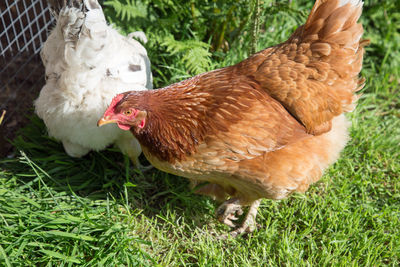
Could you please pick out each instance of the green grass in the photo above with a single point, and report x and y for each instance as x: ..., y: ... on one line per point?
x: 59, y: 211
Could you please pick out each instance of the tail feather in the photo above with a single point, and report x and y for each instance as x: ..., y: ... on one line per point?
x: 335, y: 22
x: 339, y: 44
x: 315, y: 73
x: 57, y: 5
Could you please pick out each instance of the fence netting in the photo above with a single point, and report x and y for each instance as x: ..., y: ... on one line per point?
x: 24, y: 27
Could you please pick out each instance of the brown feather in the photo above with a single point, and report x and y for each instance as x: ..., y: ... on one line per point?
x: 183, y: 115
x: 330, y: 40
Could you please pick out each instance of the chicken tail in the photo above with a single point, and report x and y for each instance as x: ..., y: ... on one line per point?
x: 57, y: 5
x: 335, y: 39
x: 314, y: 74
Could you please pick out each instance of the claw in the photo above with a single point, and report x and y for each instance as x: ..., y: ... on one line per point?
x: 239, y: 212
x: 229, y: 223
x: 233, y: 218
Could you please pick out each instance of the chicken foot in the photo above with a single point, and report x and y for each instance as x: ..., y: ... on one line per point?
x: 227, y: 211
x: 249, y: 224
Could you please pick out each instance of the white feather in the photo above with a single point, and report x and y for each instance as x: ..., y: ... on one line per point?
x: 87, y: 63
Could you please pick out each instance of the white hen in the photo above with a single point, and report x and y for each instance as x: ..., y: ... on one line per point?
x: 87, y: 63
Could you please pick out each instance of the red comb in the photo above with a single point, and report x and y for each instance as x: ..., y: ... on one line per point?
x: 111, y: 108
x: 116, y: 100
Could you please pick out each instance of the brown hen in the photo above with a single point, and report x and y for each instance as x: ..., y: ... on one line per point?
x: 263, y: 128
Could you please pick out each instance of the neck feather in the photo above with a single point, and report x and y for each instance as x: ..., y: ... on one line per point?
x: 175, y: 122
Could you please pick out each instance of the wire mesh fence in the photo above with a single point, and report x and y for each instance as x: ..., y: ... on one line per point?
x: 24, y: 26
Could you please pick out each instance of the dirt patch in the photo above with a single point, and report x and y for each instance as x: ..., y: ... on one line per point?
x: 23, y: 79
x: 23, y: 28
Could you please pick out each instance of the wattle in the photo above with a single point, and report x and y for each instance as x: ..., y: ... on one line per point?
x: 124, y: 127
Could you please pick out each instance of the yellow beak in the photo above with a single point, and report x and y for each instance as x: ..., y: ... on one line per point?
x: 104, y: 121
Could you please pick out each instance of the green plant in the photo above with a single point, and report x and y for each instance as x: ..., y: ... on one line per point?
x: 190, y: 37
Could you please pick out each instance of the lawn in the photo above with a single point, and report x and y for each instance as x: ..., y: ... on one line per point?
x: 97, y: 210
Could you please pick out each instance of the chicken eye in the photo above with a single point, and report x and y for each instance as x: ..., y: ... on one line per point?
x: 128, y: 112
